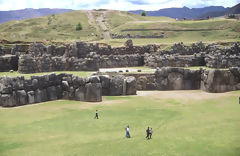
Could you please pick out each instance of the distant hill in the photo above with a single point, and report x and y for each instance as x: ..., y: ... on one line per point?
x: 6, y: 16
x: 184, y: 12
x: 233, y: 10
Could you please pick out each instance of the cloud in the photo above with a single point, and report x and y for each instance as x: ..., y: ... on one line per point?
x: 112, y: 4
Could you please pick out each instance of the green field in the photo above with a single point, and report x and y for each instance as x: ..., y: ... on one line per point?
x: 76, y: 73
x: 185, y: 123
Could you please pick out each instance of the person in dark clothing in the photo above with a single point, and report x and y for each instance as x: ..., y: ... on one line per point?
x: 147, y: 133
x: 150, y: 133
x: 96, y: 115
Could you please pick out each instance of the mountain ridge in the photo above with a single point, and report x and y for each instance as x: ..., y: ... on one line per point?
x: 6, y: 16
x: 183, y: 12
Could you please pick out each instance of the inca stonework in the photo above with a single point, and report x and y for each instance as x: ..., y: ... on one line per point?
x: 37, y: 57
x: 19, y: 91
x: 81, y: 56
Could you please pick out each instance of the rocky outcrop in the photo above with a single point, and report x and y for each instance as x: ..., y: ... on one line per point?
x: 19, y: 91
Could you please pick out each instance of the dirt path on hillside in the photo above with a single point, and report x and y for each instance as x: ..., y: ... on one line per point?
x: 100, y: 20
x: 92, y: 21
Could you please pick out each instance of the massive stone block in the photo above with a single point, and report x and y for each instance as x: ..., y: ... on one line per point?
x: 217, y: 81
x: 116, y: 85
x: 131, y: 85
x: 80, y: 94
x: 31, y: 97
x: 52, y: 93
x: 105, y: 82
x: 93, y: 92
x: 8, y: 100
x: 22, y: 97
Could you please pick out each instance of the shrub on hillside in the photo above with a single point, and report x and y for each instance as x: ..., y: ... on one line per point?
x: 143, y: 13
x: 79, y: 26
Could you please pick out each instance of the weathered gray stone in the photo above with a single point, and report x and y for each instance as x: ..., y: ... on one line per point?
x: 22, y: 97
x: 116, y: 85
x: 65, y: 95
x: 65, y: 85
x: 80, y: 94
x: 129, y: 44
x: 38, y: 96
x: 8, y: 100
x: 52, y: 93
x: 105, y: 82
x: 131, y: 85
x: 93, y: 92
x: 31, y: 97
x: 59, y: 91
x: 44, y: 96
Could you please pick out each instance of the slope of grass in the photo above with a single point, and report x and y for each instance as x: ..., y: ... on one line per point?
x: 214, y: 30
x: 180, y: 127
x: 60, y: 27
x: 117, y: 18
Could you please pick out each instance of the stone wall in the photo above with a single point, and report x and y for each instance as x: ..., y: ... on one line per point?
x: 198, y: 54
x: 224, y: 58
x: 8, y: 62
x: 19, y: 91
x: 167, y: 78
x: 119, y: 36
x: 175, y: 60
x: 80, y: 57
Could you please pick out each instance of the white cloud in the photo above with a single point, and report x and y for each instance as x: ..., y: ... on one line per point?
x: 111, y: 4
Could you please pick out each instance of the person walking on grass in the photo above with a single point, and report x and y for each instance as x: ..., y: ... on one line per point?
x: 96, y: 115
x: 148, y: 131
x: 127, y: 132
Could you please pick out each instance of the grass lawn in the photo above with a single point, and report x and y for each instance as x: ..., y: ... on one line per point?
x: 15, y: 73
x: 202, y: 124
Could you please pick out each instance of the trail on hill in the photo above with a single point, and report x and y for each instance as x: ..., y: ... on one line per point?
x: 91, y: 20
x: 100, y: 21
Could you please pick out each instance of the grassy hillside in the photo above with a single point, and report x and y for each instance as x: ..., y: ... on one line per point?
x: 214, y: 30
x: 60, y: 27
x: 97, y: 24
x: 201, y: 124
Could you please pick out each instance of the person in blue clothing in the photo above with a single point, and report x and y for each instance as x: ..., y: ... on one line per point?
x: 127, y: 132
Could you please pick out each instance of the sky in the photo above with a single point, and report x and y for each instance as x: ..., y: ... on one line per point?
x: 112, y: 4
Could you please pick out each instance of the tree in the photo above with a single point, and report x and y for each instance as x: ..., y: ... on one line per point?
x: 144, y: 13
x: 79, y: 26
